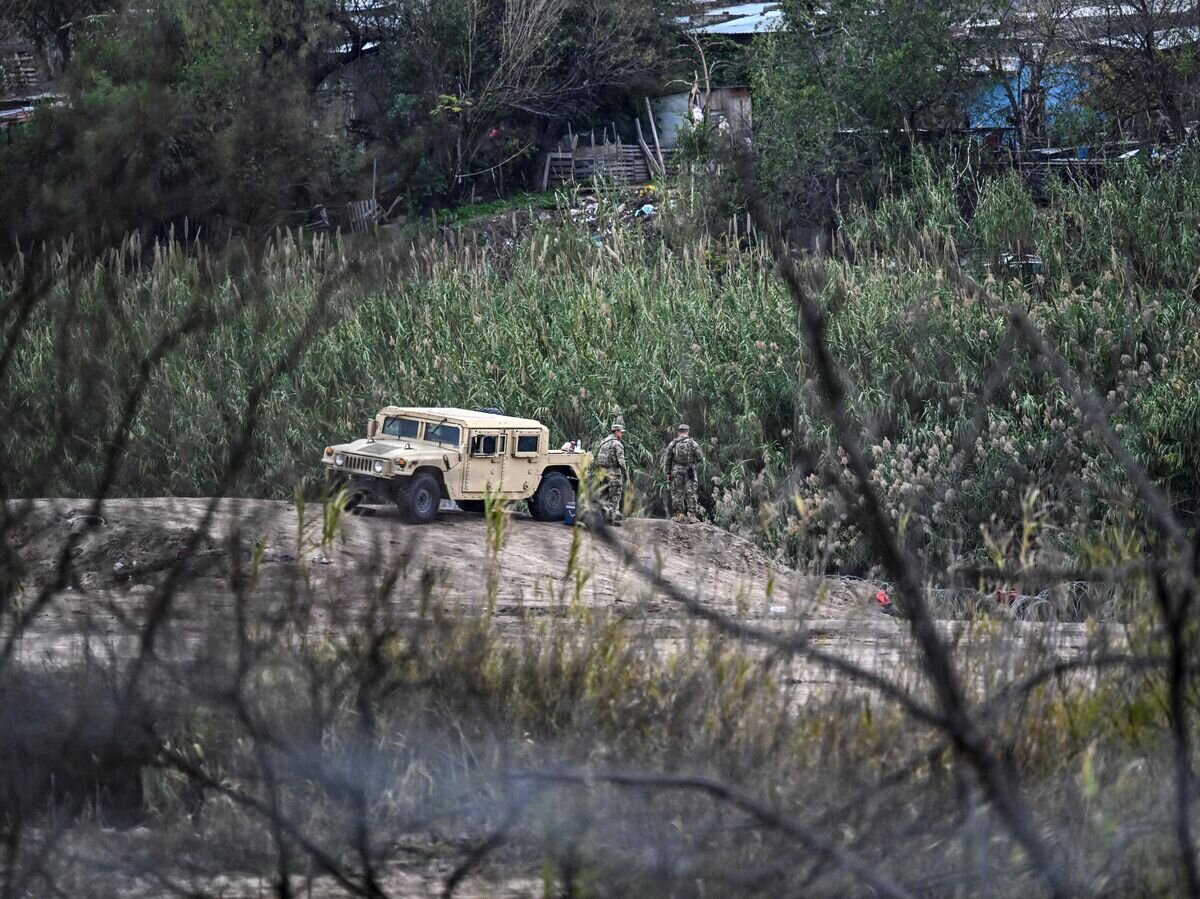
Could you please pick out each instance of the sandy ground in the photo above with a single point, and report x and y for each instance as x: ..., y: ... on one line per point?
x: 542, y: 570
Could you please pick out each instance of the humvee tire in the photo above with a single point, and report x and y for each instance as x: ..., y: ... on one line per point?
x: 550, y: 501
x: 419, y: 499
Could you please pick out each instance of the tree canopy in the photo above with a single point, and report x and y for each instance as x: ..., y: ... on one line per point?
x: 244, y: 114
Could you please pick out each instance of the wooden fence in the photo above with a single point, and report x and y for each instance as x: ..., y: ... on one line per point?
x: 623, y: 163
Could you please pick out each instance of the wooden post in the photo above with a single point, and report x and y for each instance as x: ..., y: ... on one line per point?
x: 654, y: 131
x: 651, y: 163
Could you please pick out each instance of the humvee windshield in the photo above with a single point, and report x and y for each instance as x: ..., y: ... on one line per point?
x: 401, y: 427
x: 442, y: 433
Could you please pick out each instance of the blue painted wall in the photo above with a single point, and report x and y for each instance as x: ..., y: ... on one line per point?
x: 989, y: 107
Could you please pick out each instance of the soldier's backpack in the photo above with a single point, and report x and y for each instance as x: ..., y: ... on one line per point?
x: 605, y: 454
x: 685, y: 451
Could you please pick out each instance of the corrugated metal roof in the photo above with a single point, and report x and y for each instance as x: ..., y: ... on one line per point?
x: 771, y: 20
x: 741, y: 9
x: 734, y: 18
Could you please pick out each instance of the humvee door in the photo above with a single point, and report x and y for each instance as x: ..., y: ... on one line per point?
x: 485, y: 462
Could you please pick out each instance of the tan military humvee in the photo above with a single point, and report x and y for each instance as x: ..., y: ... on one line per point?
x: 416, y: 457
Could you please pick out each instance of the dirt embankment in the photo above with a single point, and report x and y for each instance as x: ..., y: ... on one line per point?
x: 118, y: 562
x: 272, y: 558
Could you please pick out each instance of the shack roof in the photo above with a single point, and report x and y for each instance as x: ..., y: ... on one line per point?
x: 734, y: 18
x: 771, y: 20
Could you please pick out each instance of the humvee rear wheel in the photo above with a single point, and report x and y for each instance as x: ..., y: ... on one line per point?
x: 550, y: 501
x: 419, y: 499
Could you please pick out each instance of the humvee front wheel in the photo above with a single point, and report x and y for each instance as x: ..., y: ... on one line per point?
x: 419, y: 499
x: 550, y: 501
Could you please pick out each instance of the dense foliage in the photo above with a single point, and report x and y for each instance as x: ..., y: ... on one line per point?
x: 241, y: 116
x: 566, y: 331
x: 846, y: 84
x: 171, y: 116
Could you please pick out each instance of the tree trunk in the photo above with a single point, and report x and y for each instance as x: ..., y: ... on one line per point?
x: 62, y: 42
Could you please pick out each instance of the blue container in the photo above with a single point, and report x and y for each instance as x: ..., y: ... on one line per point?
x: 569, y: 515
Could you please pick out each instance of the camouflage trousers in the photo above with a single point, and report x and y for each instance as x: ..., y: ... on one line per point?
x: 611, y: 494
x: 684, y: 500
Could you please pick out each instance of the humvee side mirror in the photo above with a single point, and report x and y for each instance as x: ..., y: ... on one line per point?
x: 372, y: 427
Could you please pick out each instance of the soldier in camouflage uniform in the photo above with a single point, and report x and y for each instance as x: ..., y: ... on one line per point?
x: 610, y: 459
x: 683, y: 457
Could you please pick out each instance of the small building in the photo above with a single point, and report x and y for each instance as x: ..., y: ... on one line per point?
x: 730, y: 104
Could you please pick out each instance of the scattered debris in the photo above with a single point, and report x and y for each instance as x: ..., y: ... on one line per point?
x: 82, y: 522
x: 123, y: 570
x: 85, y: 518
x: 364, y: 214
x: 1007, y: 597
x: 1026, y: 264
x: 319, y: 558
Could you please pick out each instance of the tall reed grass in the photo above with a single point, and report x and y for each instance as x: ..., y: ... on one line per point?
x: 576, y: 323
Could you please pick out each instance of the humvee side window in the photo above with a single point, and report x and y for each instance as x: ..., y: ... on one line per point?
x: 401, y: 427
x: 527, y: 444
x: 487, y: 445
x: 442, y: 433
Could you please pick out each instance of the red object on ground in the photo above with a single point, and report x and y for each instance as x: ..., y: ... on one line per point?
x: 1007, y: 596
x: 885, y: 602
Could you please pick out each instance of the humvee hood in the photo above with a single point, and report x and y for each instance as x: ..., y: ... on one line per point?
x: 390, y: 449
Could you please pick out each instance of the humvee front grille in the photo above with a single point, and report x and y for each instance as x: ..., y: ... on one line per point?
x: 358, y: 463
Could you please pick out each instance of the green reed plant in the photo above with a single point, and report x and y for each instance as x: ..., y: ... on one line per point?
x: 573, y: 322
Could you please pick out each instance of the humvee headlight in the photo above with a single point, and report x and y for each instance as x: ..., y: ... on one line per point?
x: 339, y: 460
x: 378, y: 466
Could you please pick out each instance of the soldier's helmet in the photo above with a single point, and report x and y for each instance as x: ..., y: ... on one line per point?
x: 683, y: 429
x: 618, y: 425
